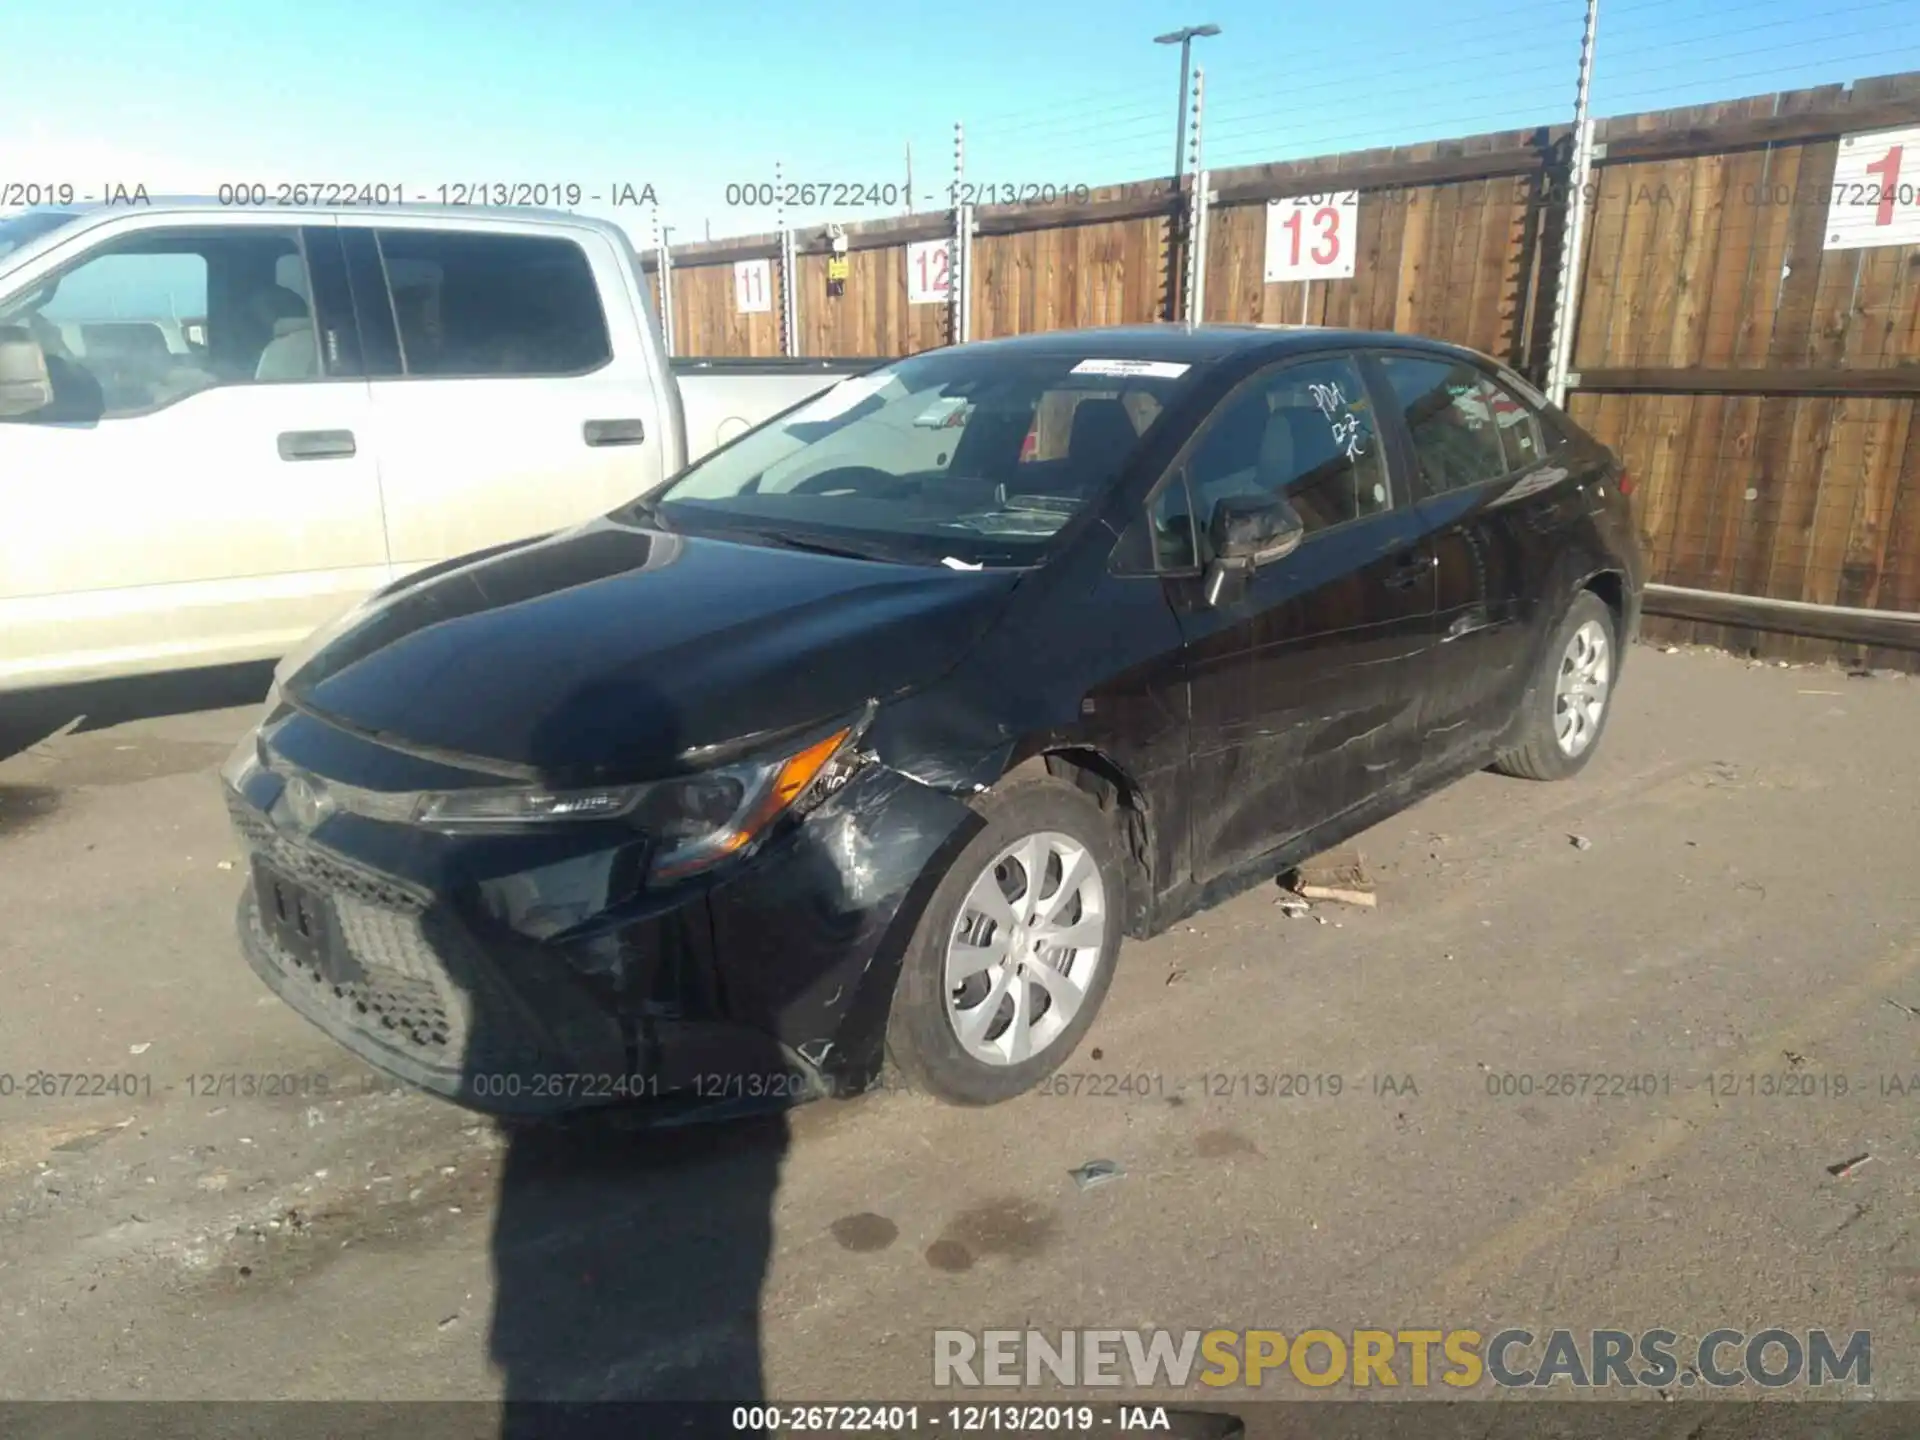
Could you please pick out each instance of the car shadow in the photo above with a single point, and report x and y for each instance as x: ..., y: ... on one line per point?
x: 628, y: 1264
x: 28, y: 717
x: 629, y: 1258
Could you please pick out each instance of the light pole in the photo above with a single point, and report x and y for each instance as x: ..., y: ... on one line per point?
x: 1184, y: 38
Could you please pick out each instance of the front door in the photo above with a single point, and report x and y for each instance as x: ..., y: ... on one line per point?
x: 202, y: 489
x: 1304, y: 690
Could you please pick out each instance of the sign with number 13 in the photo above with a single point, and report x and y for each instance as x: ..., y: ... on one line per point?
x: 1312, y: 237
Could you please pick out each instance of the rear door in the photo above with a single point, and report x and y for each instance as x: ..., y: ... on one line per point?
x: 1496, y: 508
x: 513, y: 390
x: 202, y: 489
x: 1304, y: 692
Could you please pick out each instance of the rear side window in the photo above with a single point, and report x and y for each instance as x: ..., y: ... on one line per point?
x: 1465, y: 428
x: 470, y: 304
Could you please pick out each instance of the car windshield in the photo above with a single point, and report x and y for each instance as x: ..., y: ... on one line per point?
x: 964, y: 458
x: 17, y: 230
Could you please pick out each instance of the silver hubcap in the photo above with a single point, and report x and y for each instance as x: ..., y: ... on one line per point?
x: 1580, y: 692
x: 1025, y: 948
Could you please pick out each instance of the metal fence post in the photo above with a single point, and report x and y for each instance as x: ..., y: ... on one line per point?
x: 663, y: 268
x: 963, y: 275
x: 1193, y: 298
x: 957, y: 316
x: 1566, y: 299
x: 1197, y: 262
x: 789, y: 296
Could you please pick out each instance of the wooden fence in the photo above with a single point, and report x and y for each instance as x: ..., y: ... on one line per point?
x: 1760, y: 387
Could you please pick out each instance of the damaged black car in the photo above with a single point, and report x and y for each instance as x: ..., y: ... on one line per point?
x: 865, y: 740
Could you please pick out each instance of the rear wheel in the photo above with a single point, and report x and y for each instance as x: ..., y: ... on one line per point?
x: 1014, y: 954
x: 1567, y: 704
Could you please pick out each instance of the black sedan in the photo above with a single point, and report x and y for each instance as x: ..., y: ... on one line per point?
x: 864, y: 740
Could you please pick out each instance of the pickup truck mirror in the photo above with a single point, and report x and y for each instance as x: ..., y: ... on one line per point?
x: 1247, y: 532
x: 24, y: 384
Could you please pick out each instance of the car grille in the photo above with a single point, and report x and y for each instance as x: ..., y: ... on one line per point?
x: 325, y: 872
x: 397, y: 989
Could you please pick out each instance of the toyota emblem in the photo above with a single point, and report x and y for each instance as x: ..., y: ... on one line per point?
x: 307, y: 802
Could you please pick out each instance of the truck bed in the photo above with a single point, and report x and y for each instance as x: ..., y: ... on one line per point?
x: 722, y: 396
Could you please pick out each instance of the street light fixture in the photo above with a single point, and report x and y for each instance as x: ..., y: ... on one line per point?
x: 1184, y: 38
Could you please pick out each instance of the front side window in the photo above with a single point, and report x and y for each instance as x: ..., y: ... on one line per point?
x: 472, y: 305
x: 971, y: 458
x: 146, y: 322
x: 1465, y: 429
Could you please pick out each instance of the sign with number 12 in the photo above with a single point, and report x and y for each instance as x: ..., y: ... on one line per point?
x: 927, y: 272
x: 1312, y: 237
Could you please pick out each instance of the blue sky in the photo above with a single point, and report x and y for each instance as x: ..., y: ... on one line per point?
x: 692, y: 96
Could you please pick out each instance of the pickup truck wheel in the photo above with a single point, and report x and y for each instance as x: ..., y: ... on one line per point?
x: 1015, y: 951
x: 1567, y: 704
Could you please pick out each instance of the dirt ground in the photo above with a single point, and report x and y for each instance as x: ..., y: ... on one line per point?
x: 1740, y: 906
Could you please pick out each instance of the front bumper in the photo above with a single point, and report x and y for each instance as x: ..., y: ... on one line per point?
x: 531, y: 975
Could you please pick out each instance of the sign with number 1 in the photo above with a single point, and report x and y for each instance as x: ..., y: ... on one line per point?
x: 1876, y: 191
x: 1312, y: 237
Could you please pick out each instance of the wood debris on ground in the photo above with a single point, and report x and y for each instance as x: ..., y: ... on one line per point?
x: 1338, y: 875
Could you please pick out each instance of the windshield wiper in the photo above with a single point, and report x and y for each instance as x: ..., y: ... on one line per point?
x: 646, y: 512
x: 787, y: 541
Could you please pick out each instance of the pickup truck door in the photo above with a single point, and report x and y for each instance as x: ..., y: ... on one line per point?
x: 514, y: 382
x: 202, y: 490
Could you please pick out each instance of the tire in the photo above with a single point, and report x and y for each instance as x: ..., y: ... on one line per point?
x: 1040, y: 817
x: 1537, y: 749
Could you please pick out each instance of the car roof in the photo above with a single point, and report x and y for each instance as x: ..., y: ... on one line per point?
x: 1201, y: 344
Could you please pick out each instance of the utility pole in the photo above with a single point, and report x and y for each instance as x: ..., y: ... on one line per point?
x: 1184, y: 38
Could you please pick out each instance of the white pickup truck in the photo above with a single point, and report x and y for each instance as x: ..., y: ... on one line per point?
x: 220, y: 427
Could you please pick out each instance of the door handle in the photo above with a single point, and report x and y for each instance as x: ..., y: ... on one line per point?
x: 614, y: 432
x: 1411, y: 569
x: 316, y: 444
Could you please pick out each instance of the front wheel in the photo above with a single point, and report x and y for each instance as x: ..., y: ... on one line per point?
x: 1014, y: 954
x: 1568, y: 701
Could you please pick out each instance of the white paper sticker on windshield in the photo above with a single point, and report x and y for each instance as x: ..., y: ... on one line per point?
x: 1152, y: 369
x: 838, y: 399
x: 950, y: 410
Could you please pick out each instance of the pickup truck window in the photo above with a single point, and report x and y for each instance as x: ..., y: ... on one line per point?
x: 143, y: 323
x: 470, y: 304
x: 933, y: 458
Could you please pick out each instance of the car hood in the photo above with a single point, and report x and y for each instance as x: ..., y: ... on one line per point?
x: 610, y: 650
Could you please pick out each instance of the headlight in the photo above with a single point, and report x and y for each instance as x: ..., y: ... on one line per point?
x: 695, y: 821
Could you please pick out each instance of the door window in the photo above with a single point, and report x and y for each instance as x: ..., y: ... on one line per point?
x: 145, y: 322
x: 1465, y: 429
x: 470, y: 304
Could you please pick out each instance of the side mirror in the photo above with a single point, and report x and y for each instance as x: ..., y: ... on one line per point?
x: 24, y: 384
x: 1247, y: 532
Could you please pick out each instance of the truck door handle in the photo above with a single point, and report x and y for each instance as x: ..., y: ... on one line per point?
x: 614, y: 432
x: 316, y: 444
x: 1411, y: 569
